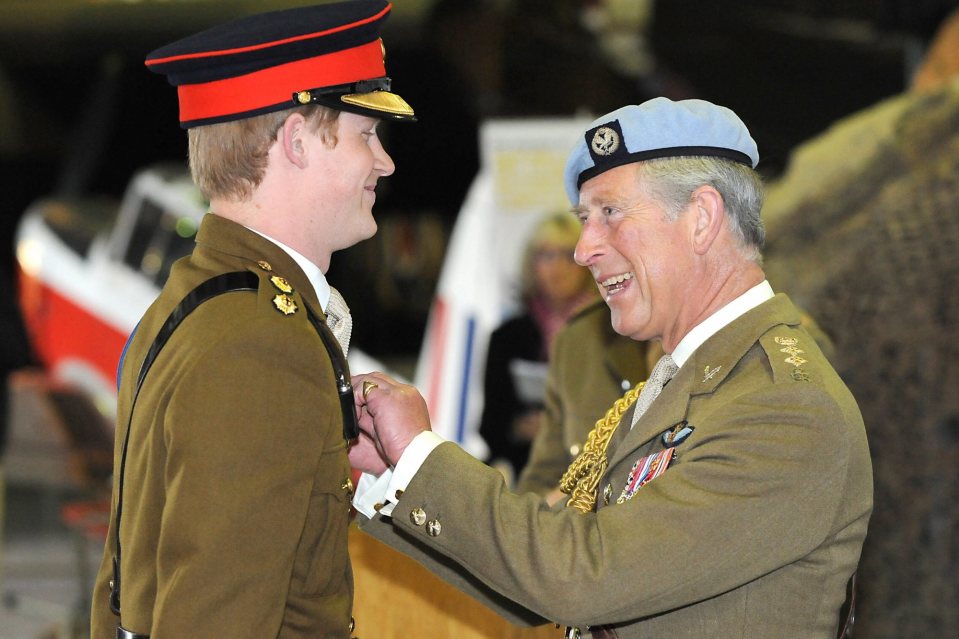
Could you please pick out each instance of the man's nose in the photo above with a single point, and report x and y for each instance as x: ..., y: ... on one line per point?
x: 589, y: 246
x: 384, y: 163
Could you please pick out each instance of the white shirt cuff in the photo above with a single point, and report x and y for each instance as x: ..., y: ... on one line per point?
x: 379, y: 494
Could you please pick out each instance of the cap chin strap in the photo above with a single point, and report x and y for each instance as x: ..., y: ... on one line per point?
x: 366, y: 97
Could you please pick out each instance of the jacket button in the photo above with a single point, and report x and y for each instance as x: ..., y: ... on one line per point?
x: 607, y: 493
x: 434, y: 528
x: 352, y: 623
x: 418, y: 516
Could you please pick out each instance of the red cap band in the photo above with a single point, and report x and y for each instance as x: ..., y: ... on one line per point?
x: 276, y: 85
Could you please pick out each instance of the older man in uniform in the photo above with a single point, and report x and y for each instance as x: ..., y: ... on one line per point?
x: 233, y: 488
x: 732, y: 501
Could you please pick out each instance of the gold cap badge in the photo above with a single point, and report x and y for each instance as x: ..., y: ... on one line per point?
x: 605, y: 141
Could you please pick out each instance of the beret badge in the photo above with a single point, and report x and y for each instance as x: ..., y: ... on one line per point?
x: 605, y: 141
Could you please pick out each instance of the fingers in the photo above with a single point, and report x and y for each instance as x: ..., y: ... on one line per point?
x: 367, y: 386
x: 366, y: 383
x: 391, y: 413
x: 366, y: 455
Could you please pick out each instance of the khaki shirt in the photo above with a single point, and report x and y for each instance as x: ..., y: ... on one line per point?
x: 235, y: 504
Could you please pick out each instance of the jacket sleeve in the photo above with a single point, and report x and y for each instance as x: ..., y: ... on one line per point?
x: 448, y: 570
x: 753, y: 484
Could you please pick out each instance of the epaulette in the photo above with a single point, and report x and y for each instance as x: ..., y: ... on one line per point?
x: 791, y: 352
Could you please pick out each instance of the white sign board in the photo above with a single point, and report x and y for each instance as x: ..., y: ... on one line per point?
x: 520, y: 179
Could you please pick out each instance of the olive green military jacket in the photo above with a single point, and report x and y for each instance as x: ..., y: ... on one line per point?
x: 752, y: 531
x: 590, y: 367
x: 235, y: 514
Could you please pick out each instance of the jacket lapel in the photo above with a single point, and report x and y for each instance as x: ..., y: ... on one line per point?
x: 669, y: 408
x: 701, y: 374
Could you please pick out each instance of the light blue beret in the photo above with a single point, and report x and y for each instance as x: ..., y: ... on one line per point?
x: 657, y: 128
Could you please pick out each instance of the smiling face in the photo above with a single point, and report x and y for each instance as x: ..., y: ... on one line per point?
x: 345, y: 175
x: 642, y: 262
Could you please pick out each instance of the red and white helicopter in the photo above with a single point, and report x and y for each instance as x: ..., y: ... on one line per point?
x: 88, y: 269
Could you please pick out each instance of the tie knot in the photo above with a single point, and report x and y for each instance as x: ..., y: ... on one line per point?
x: 339, y: 320
x: 664, y: 370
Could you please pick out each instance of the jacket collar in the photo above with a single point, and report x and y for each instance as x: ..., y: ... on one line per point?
x: 220, y: 234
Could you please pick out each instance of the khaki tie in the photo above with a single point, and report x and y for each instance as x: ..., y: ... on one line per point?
x: 663, y: 371
x: 339, y: 320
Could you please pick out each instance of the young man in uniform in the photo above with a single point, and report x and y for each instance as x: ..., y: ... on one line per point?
x: 232, y: 491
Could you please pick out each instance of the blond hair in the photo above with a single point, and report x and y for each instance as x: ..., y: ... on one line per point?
x: 560, y: 228
x: 228, y: 159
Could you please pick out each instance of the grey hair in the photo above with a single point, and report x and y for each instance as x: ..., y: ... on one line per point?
x: 672, y: 181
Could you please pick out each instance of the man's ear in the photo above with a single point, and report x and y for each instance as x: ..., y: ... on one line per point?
x: 710, y: 214
x: 292, y: 140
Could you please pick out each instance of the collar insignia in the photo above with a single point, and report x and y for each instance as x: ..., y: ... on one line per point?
x: 709, y: 373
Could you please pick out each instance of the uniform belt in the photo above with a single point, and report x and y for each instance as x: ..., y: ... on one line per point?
x: 123, y: 633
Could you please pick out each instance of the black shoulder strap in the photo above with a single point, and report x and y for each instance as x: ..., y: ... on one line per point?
x: 238, y: 281
x: 341, y: 370
x: 225, y: 283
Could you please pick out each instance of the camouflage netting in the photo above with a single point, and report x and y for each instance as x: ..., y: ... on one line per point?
x: 864, y: 234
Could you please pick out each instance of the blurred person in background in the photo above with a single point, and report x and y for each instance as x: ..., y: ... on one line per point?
x: 590, y: 367
x: 553, y: 289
